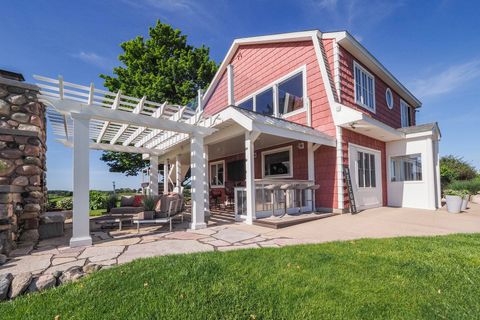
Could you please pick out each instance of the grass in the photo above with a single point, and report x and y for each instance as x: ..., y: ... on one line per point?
x: 98, y: 212
x: 401, y: 278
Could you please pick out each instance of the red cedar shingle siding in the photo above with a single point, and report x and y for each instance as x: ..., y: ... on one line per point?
x: 383, y: 113
x: 256, y: 66
x: 325, y: 175
x: 361, y: 140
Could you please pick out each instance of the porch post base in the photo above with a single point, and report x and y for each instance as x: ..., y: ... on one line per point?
x: 80, y: 241
x: 198, y: 225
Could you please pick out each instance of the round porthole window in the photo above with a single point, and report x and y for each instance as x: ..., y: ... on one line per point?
x: 389, y: 98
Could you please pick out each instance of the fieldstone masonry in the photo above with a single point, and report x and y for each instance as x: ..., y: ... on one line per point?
x: 22, y: 163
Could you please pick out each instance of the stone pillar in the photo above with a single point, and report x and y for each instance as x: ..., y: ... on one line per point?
x: 198, y: 180
x: 81, y: 181
x: 22, y: 163
x: 153, y: 182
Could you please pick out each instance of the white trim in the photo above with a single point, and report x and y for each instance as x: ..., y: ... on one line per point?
x: 389, y: 168
x: 356, y: 66
x: 230, y: 83
x: 405, y: 121
x: 217, y: 186
x: 336, y: 69
x: 340, y: 181
x: 278, y: 150
x: 389, y: 105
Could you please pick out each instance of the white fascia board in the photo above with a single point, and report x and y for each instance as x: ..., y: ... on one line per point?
x: 124, y: 117
x: 238, y: 117
x: 275, y: 38
x: 351, y: 44
x: 294, y: 135
x: 116, y: 148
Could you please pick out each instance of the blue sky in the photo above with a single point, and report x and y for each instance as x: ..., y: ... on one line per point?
x: 431, y: 46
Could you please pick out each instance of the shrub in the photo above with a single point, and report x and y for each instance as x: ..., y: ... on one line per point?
x: 111, y: 202
x: 473, y: 186
x: 65, y: 203
x: 98, y: 200
x: 50, y: 206
x: 455, y: 168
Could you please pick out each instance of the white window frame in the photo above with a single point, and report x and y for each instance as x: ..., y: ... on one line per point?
x: 215, y: 163
x: 274, y: 85
x: 390, y: 173
x: 277, y: 150
x: 386, y: 99
x: 360, y: 103
x: 405, y: 120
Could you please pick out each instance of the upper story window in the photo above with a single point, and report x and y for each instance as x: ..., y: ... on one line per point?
x: 284, y: 97
x: 406, y: 114
x: 389, y: 98
x: 277, y: 163
x: 364, y: 87
x: 217, y: 174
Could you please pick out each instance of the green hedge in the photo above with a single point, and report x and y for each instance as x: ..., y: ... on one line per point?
x: 473, y: 185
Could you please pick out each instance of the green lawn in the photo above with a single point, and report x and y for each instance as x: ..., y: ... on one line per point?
x: 402, y: 278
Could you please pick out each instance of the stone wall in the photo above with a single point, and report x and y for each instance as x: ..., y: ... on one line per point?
x: 22, y: 163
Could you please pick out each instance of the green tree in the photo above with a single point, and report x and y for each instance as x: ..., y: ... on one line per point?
x: 163, y: 67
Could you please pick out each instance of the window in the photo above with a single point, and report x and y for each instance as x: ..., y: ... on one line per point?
x: 247, y: 104
x: 277, y: 163
x: 282, y: 97
x: 389, y: 98
x: 366, y: 170
x: 217, y: 174
x: 406, y: 168
x: 264, y: 102
x: 290, y: 94
x: 364, y: 88
x: 406, y: 114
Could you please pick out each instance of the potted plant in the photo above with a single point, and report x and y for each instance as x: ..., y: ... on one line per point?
x: 454, y: 200
x: 465, y: 199
x: 149, y: 203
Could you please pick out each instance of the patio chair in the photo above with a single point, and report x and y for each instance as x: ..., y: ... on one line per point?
x: 169, y: 219
x: 299, y: 189
x: 285, y: 188
x: 312, y: 189
x: 273, y: 188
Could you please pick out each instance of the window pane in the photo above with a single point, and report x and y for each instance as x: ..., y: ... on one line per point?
x: 367, y: 170
x: 247, y: 104
x: 220, y: 174
x: 213, y: 172
x: 373, y: 177
x: 264, y: 102
x: 407, y: 168
x: 277, y: 163
x: 290, y: 94
x: 361, y: 172
x: 357, y: 84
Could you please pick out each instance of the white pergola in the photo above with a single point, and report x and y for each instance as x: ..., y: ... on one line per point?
x: 86, y: 118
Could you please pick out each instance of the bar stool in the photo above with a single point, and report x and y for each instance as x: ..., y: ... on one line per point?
x: 312, y: 189
x: 272, y: 188
x: 300, y: 188
x: 285, y: 188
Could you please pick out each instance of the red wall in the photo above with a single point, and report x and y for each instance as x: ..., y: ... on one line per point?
x: 383, y: 113
x: 256, y: 66
x: 364, y: 141
x: 325, y: 175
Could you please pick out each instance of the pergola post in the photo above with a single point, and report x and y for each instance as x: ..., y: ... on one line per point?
x: 206, y: 189
x: 250, y: 138
x: 178, y: 172
x: 81, y: 180
x: 197, y: 163
x: 153, y: 182
x: 166, y: 172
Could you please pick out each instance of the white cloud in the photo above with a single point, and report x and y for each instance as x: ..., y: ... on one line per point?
x: 448, y: 80
x: 92, y: 58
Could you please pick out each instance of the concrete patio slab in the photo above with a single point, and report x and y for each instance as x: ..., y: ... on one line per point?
x: 234, y: 235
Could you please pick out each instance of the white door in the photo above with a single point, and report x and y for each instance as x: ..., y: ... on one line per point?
x: 366, y: 175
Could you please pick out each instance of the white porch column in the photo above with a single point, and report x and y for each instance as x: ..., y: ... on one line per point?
x: 250, y: 138
x: 166, y: 171
x: 153, y: 182
x: 81, y: 156
x: 178, y: 172
x: 311, y: 171
x: 206, y: 189
x: 197, y: 164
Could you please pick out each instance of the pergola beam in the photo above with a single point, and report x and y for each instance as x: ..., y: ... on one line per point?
x: 124, y: 127
x: 157, y: 114
x: 115, y: 104
x: 116, y: 148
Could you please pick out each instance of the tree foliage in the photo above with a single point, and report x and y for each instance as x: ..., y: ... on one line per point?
x: 163, y: 67
x: 454, y: 168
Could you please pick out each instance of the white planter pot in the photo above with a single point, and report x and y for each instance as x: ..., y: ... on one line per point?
x: 454, y: 204
x: 464, y: 203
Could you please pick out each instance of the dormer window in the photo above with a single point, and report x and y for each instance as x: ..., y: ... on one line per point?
x: 364, y: 87
x: 282, y: 98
